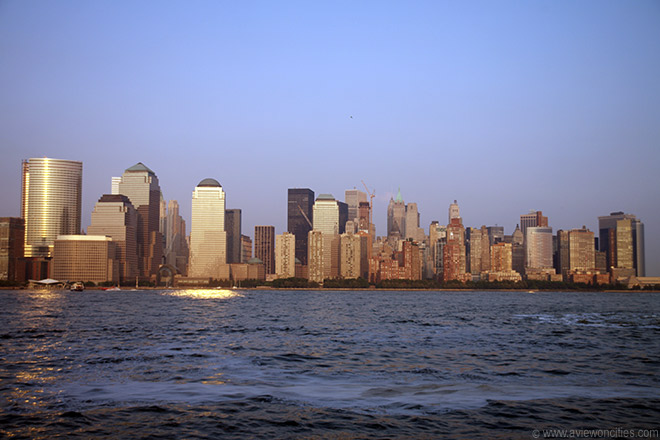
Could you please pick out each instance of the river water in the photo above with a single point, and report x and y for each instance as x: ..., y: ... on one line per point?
x: 326, y: 364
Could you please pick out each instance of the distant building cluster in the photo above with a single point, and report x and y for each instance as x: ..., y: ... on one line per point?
x: 135, y: 235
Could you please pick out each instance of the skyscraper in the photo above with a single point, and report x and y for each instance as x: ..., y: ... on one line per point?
x: 208, y: 239
x: 353, y: 199
x: 264, y: 246
x: 454, y: 211
x: 176, y: 252
x: 350, y: 255
x: 285, y: 255
x: 300, y: 218
x: 412, y: 223
x: 51, y: 202
x: 396, y: 217
x: 622, y: 242
x: 538, y: 247
x: 233, y: 228
x: 534, y: 218
x: 326, y: 220
x: 12, y: 246
x: 453, y: 257
x: 114, y: 216
x: 582, y: 250
x: 140, y: 185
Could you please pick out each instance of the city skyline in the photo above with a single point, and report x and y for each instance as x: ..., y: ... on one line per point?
x: 506, y: 108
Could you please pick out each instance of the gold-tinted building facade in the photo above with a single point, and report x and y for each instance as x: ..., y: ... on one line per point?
x: 51, y: 202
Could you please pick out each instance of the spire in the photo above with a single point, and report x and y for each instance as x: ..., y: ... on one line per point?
x: 398, y: 196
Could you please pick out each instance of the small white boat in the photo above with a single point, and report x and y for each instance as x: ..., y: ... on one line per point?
x: 77, y: 287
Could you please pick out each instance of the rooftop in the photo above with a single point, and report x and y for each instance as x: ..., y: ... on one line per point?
x: 209, y: 182
x: 138, y: 168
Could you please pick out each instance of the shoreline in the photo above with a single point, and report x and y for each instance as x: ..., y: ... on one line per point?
x: 340, y: 289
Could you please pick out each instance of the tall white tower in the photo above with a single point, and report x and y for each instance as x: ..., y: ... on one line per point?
x: 208, y: 239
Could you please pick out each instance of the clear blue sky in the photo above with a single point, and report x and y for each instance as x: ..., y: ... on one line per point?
x: 506, y: 106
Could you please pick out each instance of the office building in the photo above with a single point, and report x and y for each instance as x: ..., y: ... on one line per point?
x: 315, y: 262
x: 85, y: 258
x: 285, y: 255
x: 233, y: 228
x: 454, y: 264
x: 12, y: 245
x: 533, y: 219
x: 176, y: 251
x: 396, y: 218
x: 246, y: 249
x: 353, y: 199
x: 326, y: 220
x: 454, y: 211
x: 478, y: 250
x: 114, y: 216
x: 495, y: 234
x: 350, y: 255
x: 264, y: 246
x: 208, y: 239
x: 621, y: 237
x: 140, y: 185
x: 582, y: 250
x: 299, y: 218
x: 51, y: 202
x: 538, y: 247
x: 518, y: 251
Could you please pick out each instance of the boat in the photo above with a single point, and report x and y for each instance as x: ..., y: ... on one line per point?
x: 77, y: 287
x: 112, y: 289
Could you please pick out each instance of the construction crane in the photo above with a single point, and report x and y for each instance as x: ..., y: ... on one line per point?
x: 371, y: 200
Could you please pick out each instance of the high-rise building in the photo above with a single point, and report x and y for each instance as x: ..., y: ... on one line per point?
x: 326, y: 219
x: 326, y: 214
x: 233, y: 228
x: 85, y: 258
x: 495, y: 234
x: 285, y: 255
x: 563, y: 254
x: 454, y: 211
x: 51, y: 202
x: 12, y: 245
x: 350, y: 255
x: 534, y: 218
x: 343, y: 216
x: 518, y: 251
x: 501, y: 259
x: 538, y: 247
x: 264, y: 246
x: 364, y: 216
x: 140, y: 185
x: 413, y: 231
x: 246, y: 248
x: 454, y: 264
x: 354, y: 198
x: 396, y: 217
x: 622, y: 241
x: 315, y: 266
x: 208, y: 239
x: 582, y: 250
x: 176, y: 252
x: 114, y: 216
x: 478, y: 250
x: 300, y: 218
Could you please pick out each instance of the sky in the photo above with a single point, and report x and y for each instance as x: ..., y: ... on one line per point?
x: 505, y: 106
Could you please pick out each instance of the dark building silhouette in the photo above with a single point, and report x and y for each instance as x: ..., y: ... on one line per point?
x: 300, y: 218
x: 233, y: 228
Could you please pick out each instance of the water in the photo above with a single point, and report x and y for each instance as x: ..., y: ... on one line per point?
x: 310, y: 364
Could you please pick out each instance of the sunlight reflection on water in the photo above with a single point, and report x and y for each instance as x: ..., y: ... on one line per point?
x: 205, y: 293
